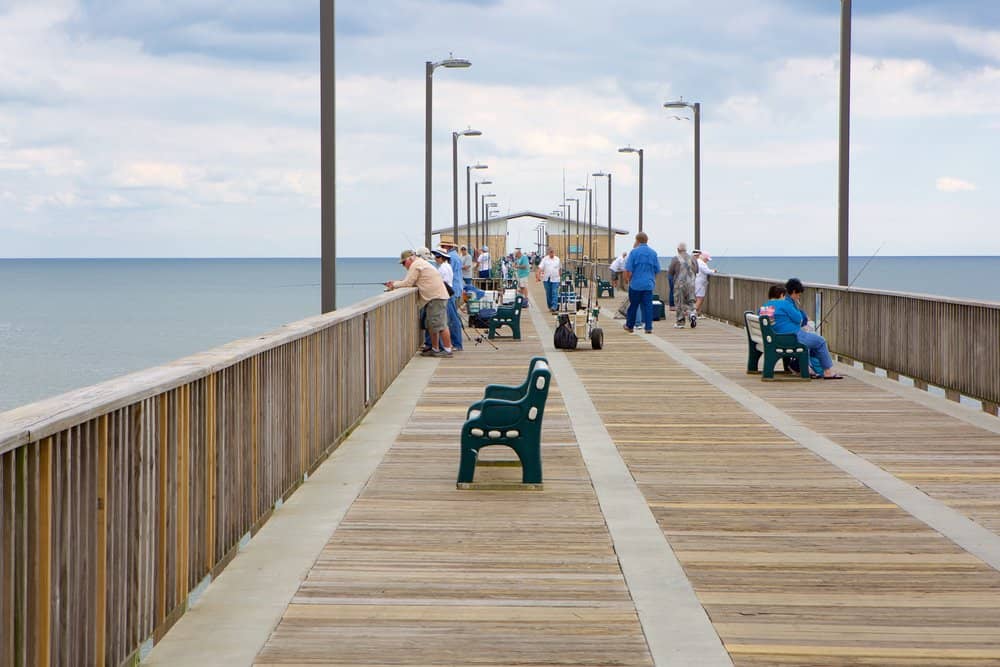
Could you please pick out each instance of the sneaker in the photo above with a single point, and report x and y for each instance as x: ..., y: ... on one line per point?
x: 649, y: 331
x: 679, y: 325
x: 626, y: 328
x: 694, y: 320
x: 443, y: 353
x: 429, y: 352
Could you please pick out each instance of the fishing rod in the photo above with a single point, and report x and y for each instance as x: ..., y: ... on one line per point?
x: 848, y: 288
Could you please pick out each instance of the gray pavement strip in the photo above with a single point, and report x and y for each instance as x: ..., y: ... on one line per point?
x: 237, y: 612
x: 966, y: 533
x: 677, y: 628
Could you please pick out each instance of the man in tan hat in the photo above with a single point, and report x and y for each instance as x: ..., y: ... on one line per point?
x: 432, y: 292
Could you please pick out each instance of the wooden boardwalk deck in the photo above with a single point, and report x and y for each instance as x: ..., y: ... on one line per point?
x: 794, y: 560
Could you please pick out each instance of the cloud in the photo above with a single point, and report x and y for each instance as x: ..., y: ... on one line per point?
x: 949, y: 184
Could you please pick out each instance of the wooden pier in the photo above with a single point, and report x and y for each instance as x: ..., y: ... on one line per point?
x: 794, y: 560
x: 691, y: 514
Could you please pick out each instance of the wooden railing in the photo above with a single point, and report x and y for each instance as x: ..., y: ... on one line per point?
x: 118, y: 500
x: 949, y: 343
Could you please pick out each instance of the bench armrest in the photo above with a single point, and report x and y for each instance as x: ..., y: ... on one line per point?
x: 495, y: 413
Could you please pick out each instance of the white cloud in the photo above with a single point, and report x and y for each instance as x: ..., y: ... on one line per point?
x: 949, y: 184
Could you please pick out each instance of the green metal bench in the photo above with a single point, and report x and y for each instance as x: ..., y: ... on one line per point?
x: 515, y: 424
x: 506, y: 392
x: 508, y: 316
x: 605, y: 286
x: 763, y: 342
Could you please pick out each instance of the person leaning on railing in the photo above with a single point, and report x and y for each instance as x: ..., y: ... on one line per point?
x: 789, y: 318
x: 432, y: 292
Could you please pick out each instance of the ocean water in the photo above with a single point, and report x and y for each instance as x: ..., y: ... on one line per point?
x: 68, y: 323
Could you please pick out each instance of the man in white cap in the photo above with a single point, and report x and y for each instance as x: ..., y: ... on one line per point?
x: 485, y: 262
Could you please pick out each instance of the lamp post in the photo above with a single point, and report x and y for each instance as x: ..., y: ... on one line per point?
x: 328, y: 159
x: 590, y: 222
x: 429, y: 68
x: 696, y: 107
x: 844, y: 159
x: 486, y: 218
x: 611, y: 247
x: 565, y: 207
x: 629, y: 149
x: 454, y: 176
x: 577, y: 200
x: 478, y: 207
x: 468, y: 206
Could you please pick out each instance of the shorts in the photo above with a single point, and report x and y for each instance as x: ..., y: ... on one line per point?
x: 436, y: 317
x: 522, y: 281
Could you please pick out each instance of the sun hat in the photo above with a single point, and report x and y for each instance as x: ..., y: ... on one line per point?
x: 405, y: 255
x: 439, y: 252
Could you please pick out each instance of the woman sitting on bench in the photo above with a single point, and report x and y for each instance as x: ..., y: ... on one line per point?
x: 789, y: 318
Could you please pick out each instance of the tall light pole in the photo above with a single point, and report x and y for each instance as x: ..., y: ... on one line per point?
x: 454, y: 175
x: 844, y: 172
x: 486, y: 218
x: 577, y: 200
x: 328, y: 159
x: 429, y: 68
x: 629, y: 149
x: 696, y: 107
x: 590, y: 222
x: 468, y: 206
x: 611, y: 247
x: 478, y: 207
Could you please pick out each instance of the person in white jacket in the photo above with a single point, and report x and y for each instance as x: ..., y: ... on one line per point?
x: 701, y: 278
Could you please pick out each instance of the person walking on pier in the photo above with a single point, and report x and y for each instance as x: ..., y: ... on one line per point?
x: 523, y: 266
x: 432, y: 292
x: 549, y: 270
x: 641, y: 268
x: 683, y: 270
x: 701, y: 279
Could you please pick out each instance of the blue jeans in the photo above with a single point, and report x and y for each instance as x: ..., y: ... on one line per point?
x: 552, y: 294
x: 817, y: 348
x: 670, y: 279
x: 454, y: 323
x: 637, y: 298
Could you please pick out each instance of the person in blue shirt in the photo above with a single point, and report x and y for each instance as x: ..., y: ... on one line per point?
x: 641, y: 268
x: 789, y: 317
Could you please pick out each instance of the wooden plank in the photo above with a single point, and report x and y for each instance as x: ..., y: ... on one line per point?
x: 101, y: 562
x: 43, y: 549
x: 210, y: 471
x: 162, y: 504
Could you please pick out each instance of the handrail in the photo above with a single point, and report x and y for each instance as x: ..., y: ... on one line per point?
x: 118, y: 500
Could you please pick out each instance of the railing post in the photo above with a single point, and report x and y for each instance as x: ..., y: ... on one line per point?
x: 368, y: 360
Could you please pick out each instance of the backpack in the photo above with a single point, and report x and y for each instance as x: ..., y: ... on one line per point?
x: 564, y: 338
x: 481, y: 320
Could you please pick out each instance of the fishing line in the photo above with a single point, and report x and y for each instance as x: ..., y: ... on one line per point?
x: 848, y: 289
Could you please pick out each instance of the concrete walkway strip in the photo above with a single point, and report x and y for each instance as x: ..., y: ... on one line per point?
x: 967, y: 534
x: 235, y: 616
x: 677, y: 628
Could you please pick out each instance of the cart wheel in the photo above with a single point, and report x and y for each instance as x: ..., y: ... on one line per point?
x: 597, y: 338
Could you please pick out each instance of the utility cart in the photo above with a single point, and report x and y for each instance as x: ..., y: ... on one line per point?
x: 581, y: 313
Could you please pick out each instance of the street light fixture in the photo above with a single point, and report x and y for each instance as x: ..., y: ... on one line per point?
x: 429, y: 67
x: 611, y: 246
x: 629, y: 149
x: 696, y: 107
x: 454, y: 175
x: 468, y: 204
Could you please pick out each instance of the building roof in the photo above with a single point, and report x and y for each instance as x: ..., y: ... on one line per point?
x: 532, y: 214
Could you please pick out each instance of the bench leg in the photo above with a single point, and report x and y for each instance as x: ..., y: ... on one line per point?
x: 531, y: 463
x: 753, y: 360
x: 467, y: 465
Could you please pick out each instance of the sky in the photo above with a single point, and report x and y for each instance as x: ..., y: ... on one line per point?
x: 190, y: 128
